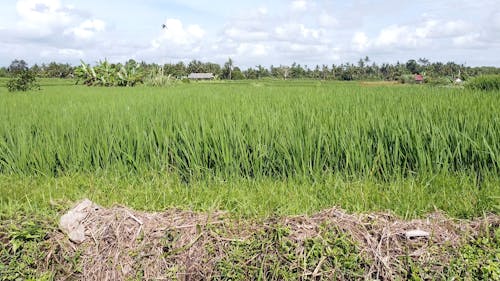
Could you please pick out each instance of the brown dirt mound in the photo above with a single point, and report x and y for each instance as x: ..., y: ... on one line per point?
x: 122, y: 244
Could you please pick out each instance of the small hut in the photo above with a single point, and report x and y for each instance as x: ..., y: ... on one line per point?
x: 419, y: 79
x: 201, y: 76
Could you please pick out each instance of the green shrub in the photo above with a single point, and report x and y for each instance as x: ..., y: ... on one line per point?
x: 407, y: 79
x: 485, y: 83
x: 23, y: 81
x: 158, y: 78
x: 437, y: 81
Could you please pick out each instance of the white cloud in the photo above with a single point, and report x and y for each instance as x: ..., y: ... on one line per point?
x: 41, y: 18
x: 278, y: 37
x: 327, y: 20
x: 244, y: 34
x: 177, y: 34
x: 51, y: 21
x: 442, y: 29
x: 468, y: 40
x: 71, y: 53
x: 297, y: 31
x: 87, y: 29
x: 299, y: 5
x: 360, y: 41
x: 430, y: 33
x: 252, y: 50
x: 398, y: 36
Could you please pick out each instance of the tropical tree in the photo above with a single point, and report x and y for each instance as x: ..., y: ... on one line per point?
x: 412, y: 66
x: 228, y: 69
x: 106, y: 74
x: 261, y: 71
x: 17, y: 66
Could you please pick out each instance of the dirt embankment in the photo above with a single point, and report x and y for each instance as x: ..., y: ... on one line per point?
x: 123, y: 244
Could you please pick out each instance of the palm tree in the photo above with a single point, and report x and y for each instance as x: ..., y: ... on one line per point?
x: 228, y: 66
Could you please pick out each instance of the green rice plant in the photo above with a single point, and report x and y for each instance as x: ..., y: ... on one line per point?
x: 211, y: 130
x: 484, y: 83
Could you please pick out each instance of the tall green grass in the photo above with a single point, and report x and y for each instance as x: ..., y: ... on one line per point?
x: 484, y: 83
x: 251, y: 131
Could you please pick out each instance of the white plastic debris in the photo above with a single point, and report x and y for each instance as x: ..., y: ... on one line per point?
x: 71, y: 222
x: 416, y: 234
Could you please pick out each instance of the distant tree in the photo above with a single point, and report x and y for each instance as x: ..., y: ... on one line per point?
x: 347, y: 73
x: 261, y: 71
x: 423, y: 62
x: 60, y: 70
x: 361, y: 63
x: 237, y: 74
x: 3, y: 72
x: 195, y: 66
x: 227, y: 71
x: 213, y: 68
x: 250, y: 73
x: 324, y: 72
x: 317, y: 72
x: 17, y: 66
x: 412, y: 66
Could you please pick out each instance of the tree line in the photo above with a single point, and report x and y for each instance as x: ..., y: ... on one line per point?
x: 364, y: 69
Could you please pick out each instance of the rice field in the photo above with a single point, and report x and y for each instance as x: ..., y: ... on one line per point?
x: 235, y: 146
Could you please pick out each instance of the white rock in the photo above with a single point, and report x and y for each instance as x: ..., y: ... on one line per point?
x: 416, y: 234
x: 71, y: 222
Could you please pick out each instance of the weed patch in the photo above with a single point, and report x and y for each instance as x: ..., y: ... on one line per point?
x: 123, y: 244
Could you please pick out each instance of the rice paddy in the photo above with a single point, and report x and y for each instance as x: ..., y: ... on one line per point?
x: 254, y: 148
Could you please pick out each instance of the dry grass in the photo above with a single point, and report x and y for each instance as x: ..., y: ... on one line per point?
x: 123, y: 244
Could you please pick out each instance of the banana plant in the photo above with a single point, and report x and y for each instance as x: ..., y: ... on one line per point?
x: 86, y: 74
x: 106, y: 74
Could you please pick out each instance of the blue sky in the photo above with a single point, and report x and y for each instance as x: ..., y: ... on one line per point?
x: 256, y: 32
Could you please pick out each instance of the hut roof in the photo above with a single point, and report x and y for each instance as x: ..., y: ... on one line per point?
x: 201, y: 76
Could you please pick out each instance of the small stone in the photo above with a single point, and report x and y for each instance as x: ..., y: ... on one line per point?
x: 71, y: 222
x: 416, y: 234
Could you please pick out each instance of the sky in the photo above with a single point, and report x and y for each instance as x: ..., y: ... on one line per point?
x: 251, y: 33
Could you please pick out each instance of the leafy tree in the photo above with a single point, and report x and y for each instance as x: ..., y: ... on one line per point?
x: 24, y: 80
x: 412, y: 66
x: 195, y: 66
x: 261, y: 71
x: 213, y: 68
x: 250, y: 73
x: 17, y: 66
x: 237, y: 74
x: 58, y: 70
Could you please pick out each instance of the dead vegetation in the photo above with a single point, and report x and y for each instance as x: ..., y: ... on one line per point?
x: 123, y: 244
